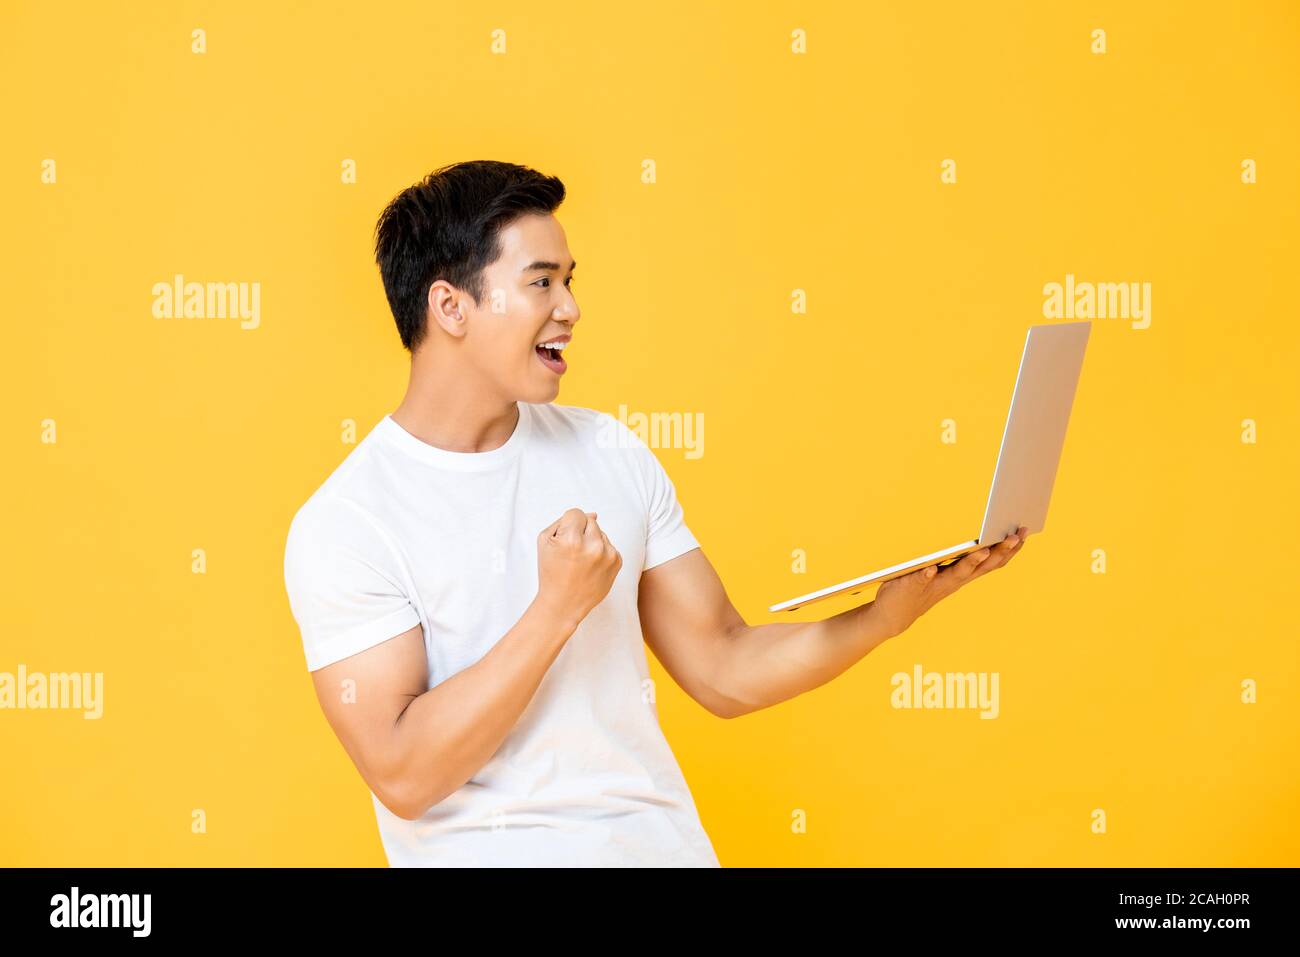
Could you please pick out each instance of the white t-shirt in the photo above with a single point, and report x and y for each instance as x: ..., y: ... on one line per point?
x: 404, y: 533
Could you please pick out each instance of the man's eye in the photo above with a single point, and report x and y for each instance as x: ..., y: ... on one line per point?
x: 547, y: 279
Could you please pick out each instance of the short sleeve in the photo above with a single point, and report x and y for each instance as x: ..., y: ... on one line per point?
x: 343, y: 582
x: 667, y: 534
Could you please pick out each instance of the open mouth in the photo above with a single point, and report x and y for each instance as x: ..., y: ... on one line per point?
x: 550, y: 354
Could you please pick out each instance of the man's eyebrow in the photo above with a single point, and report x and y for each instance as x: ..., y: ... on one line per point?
x: 544, y: 264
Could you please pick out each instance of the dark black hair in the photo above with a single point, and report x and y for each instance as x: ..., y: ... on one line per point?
x: 446, y: 227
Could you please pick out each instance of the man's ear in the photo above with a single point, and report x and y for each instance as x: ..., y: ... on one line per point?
x: 445, y: 306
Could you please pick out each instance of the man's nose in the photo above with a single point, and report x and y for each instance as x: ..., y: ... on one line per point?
x: 569, y: 312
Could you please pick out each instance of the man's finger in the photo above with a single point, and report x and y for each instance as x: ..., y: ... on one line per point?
x: 1001, y: 554
x: 961, y: 570
x: 572, y: 522
x: 1024, y: 534
x: 1007, y: 545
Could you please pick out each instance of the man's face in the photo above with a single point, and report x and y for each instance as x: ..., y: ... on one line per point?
x: 527, y: 302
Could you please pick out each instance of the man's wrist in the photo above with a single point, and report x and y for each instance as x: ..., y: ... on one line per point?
x: 554, y: 616
x: 874, y: 625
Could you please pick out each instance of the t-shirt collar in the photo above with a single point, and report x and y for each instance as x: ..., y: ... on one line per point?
x: 397, y: 436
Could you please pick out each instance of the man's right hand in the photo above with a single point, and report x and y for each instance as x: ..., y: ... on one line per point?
x: 576, y: 565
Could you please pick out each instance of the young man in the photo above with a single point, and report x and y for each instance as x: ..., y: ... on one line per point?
x: 476, y: 582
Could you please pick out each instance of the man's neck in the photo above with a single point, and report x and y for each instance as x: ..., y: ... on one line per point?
x: 445, y: 410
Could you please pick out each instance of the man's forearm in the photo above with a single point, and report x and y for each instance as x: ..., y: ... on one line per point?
x: 447, y: 734
x: 761, y: 665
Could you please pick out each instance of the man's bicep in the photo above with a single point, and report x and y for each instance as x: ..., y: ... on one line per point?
x: 687, y: 619
x: 364, y: 696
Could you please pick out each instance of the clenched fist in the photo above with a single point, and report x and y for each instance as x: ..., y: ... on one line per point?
x: 576, y: 565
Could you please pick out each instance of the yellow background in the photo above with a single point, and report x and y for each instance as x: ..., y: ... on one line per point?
x: 775, y: 172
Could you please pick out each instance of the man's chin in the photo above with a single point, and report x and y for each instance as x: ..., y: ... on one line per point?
x: 539, y: 393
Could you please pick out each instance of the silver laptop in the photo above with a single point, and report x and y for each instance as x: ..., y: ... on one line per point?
x: 1027, y: 461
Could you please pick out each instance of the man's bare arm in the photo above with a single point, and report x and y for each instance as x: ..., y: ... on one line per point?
x: 415, y: 745
x: 733, y: 668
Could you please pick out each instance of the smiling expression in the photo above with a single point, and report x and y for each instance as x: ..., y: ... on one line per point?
x: 528, y: 304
